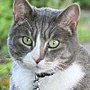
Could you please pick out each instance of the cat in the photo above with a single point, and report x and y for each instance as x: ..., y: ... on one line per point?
x: 45, y: 50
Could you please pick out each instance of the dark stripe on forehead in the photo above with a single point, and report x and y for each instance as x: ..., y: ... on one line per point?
x: 34, y: 28
x: 45, y: 26
x: 48, y: 32
x: 30, y: 26
x: 23, y: 23
x: 52, y: 30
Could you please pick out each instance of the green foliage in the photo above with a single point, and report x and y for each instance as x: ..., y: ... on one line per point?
x: 4, y: 68
x: 83, y: 3
x: 4, y: 75
x: 5, y: 20
x: 50, y: 3
x: 83, y: 27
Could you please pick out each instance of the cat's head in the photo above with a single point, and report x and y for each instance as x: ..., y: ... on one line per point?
x: 43, y: 39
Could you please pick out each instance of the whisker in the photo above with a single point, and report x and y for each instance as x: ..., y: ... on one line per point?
x: 59, y: 68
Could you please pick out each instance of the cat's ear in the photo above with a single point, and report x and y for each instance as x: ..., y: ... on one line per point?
x: 20, y: 9
x: 70, y: 16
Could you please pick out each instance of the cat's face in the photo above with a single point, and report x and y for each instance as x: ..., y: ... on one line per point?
x: 43, y: 40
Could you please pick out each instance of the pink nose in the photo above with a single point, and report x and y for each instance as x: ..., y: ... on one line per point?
x: 37, y: 60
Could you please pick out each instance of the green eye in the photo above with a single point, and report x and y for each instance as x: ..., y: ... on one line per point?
x: 54, y: 43
x: 27, y: 41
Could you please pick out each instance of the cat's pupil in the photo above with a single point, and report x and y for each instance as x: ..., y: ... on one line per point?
x: 54, y: 43
x: 28, y: 40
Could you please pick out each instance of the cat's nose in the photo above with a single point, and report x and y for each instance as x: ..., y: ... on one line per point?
x: 37, y: 60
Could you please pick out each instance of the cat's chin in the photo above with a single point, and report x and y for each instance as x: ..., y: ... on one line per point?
x: 43, y: 70
x: 45, y: 67
x: 42, y: 73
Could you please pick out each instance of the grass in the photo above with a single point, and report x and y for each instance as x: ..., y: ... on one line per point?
x: 84, y: 28
x: 4, y: 75
x: 4, y: 68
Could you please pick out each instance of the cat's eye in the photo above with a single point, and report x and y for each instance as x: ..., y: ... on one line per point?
x: 27, y: 41
x: 54, y: 43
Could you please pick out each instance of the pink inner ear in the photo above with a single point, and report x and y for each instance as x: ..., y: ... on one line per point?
x: 70, y: 16
x: 19, y: 11
x: 75, y: 17
x: 21, y: 7
x: 73, y: 21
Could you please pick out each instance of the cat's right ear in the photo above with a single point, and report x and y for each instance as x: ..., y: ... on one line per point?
x: 70, y: 16
x: 20, y: 9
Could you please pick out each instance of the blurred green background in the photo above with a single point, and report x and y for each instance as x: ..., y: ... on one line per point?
x: 6, y: 16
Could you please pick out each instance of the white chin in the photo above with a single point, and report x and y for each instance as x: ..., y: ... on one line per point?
x: 40, y: 69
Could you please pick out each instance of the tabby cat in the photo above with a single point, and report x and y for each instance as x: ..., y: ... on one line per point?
x: 45, y: 50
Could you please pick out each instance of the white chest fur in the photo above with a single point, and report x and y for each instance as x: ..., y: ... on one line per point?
x: 65, y: 80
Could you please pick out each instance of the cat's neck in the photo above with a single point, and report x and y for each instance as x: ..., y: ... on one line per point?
x: 26, y: 79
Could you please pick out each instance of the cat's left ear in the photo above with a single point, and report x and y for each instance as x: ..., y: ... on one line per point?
x: 20, y: 9
x: 70, y: 16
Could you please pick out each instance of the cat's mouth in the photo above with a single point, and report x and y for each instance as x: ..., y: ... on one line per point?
x: 46, y: 69
x: 43, y: 72
x: 41, y: 75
